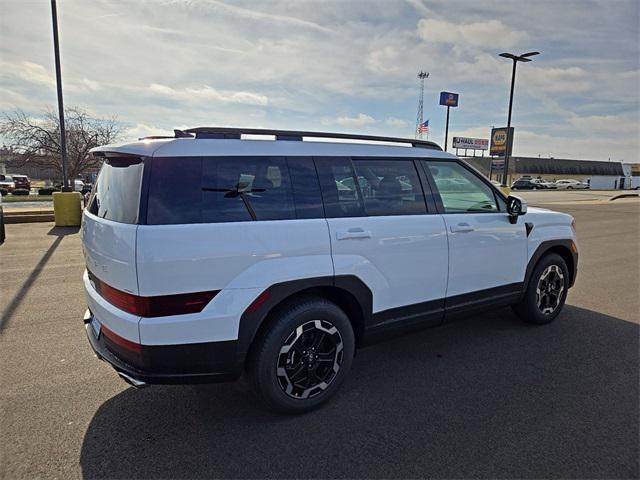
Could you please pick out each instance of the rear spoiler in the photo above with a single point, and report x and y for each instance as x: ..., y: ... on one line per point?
x: 176, y: 134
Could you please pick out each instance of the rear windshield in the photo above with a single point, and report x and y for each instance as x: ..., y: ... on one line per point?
x: 116, y: 195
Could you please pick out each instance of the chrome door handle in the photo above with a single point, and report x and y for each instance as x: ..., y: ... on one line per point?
x: 461, y: 227
x: 352, y: 233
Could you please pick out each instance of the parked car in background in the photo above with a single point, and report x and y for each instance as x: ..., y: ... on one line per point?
x: 6, y: 183
x: 21, y: 181
x: 86, y: 188
x: 532, y: 184
x: 570, y: 184
x: 78, y: 185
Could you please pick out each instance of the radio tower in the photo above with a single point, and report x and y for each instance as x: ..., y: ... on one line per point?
x: 419, y: 118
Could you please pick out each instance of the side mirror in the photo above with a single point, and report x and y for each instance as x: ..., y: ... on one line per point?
x: 516, y: 206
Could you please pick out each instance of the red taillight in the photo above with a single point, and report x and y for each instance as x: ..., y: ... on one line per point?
x: 123, y: 300
x: 158, y: 306
x: 119, y: 341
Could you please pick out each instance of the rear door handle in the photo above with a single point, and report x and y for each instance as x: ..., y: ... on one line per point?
x: 461, y: 227
x: 352, y: 233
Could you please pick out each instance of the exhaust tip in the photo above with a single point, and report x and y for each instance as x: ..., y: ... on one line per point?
x: 132, y: 381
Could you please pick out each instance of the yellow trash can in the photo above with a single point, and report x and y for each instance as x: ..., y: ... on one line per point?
x: 67, y: 208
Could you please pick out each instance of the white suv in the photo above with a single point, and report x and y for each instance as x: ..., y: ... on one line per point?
x: 210, y: 254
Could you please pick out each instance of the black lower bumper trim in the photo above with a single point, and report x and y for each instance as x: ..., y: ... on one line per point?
x: 174, y: 364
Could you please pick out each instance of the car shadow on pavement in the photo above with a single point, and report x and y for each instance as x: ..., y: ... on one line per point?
x: 482, y: 397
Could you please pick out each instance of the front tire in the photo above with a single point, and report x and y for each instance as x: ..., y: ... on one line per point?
x: 303, y: 357
x: 546, y: 292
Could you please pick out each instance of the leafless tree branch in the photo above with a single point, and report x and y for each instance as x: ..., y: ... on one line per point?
x: 35, y: 141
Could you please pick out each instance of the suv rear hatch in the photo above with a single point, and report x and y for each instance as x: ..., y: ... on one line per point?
x: 110, y: 224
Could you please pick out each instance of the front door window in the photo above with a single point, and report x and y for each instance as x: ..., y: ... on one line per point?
x: 460, y: 190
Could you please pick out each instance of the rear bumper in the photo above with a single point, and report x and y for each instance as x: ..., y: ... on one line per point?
x: 209, y: 362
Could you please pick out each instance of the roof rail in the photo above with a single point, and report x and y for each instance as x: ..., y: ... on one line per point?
x: 236, y: 133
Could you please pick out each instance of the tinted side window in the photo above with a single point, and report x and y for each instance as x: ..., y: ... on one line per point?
x: 237, y: 189
x: 460, y: 190
x: 340, y: 191
x: 175, y: 191
x: 306, y: 188
x: 390, y: 187
x: 219, y: 189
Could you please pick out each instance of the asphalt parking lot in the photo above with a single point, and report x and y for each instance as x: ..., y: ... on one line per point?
x: 483, y: 397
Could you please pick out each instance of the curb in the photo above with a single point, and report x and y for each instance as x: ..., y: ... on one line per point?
x: 28, y: 217
x: 624, y: 195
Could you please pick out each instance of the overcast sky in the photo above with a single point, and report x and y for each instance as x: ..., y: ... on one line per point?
x: 338, y: 66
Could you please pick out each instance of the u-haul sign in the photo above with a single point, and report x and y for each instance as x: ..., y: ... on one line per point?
x: 471, y: 143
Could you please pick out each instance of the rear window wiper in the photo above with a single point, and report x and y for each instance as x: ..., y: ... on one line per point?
x: 238, y: 192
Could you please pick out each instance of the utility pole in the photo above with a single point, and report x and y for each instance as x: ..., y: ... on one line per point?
x: 63, y: 136
x: 419, y: 118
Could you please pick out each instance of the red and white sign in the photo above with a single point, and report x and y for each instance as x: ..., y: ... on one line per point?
x: 471, y: 143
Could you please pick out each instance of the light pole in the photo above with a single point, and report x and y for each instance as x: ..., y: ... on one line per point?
x: 63, y: 136
x: 507, y: 153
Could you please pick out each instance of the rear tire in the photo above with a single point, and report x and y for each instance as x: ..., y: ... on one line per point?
x: 304, y: 356
x: 546, y: 292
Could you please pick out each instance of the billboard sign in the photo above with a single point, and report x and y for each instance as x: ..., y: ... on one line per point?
x: 497, y: 165
x: 471, y: 143
x: 499, y: 141
x: 449, y: 99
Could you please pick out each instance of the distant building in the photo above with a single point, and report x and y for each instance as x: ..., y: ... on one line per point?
x: 605, y: 174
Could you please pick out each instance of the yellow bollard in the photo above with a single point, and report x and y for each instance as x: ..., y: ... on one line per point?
x: 67, y: 208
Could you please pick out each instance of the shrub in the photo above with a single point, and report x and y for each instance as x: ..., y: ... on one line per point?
x: 21, y: 191
x: 47, y: 190
x: 4, y: 191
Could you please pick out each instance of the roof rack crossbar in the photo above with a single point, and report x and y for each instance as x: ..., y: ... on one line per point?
x: 236, y: 133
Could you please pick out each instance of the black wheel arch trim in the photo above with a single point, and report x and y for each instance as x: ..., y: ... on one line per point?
x: 567, y: 247
x: 253, y: 318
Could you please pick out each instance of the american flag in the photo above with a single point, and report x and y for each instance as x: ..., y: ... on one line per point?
x: 423, y: 127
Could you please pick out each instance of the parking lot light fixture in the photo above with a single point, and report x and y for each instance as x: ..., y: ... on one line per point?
x: 515, y: 58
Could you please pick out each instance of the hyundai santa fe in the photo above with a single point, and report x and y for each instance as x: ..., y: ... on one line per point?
x: 219, y: 251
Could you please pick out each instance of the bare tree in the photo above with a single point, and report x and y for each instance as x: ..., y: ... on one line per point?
x: 36, y: 141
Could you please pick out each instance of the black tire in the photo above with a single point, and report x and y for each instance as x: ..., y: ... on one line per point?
x: 266, y: 356
x: 528, y: 309
x: 569, y: 188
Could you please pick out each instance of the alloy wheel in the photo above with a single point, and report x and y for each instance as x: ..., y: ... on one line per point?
x: 309, y: 359
x: 550, y: 289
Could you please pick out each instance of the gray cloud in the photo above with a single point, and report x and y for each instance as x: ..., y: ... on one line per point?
x: 300, y: 63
